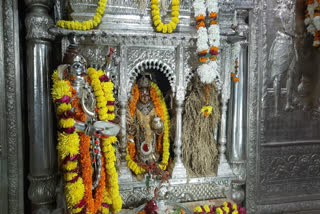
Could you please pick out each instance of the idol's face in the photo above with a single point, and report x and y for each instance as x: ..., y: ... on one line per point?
x: 144, y: 95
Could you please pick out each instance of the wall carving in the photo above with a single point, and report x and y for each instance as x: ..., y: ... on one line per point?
x: 279, y: 169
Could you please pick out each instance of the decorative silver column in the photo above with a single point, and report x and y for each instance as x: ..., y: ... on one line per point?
x: 125, y: 173
x: 238, y: 110
x: 179, y: 171
x: 11, y: 111
x: 224, y: 167
x: 42, y: 173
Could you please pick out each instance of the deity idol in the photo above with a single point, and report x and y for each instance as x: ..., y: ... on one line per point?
x: 283, y: 53
x: 84, y: 105
x: 148, y: 127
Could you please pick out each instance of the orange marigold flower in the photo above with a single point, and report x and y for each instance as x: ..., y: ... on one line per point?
x: 233, y: 74
x: 213, y: 15
x: 201, y: 24
x: 213, y: 22
x: 213, y: 58
x: 214, y: 48
x: 201, y: 17
x: 203, y: 59
x: 236, y: 79
x: 203, y: 52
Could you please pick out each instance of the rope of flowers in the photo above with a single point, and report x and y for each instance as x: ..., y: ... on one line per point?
x: 78, y: 184
x: 160, y: 26
x: 225, y: 208
x: 103, y: 88
x: 208, y: 70
x: 312, y: 20
x: 85, y: 25
x: 68, y: 145
x: 162, y: 112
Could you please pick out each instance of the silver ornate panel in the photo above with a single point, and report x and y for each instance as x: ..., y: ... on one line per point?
x: 283, y: 148
x: 136, y: 193
x: 11, y: 111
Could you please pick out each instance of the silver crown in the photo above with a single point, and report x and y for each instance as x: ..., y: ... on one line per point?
x: 144, y: 81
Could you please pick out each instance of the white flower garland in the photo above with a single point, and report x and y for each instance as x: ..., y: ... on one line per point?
x: 208, y: 71
x: 312, y: 21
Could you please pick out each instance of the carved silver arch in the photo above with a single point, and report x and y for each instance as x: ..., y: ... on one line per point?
x: 152, y: 64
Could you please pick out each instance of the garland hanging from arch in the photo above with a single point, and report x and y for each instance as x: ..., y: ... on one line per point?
x: 85, y: 25
x: 160, y: 26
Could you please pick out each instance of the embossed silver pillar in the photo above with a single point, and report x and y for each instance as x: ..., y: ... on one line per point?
x: 224, y: 167
x: 237, y: 110
x: 11, y: 111
x: 179, y: 171
x: 41, y: 191
x: 125, y: 173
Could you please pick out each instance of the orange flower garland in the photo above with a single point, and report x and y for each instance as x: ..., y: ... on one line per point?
x: 92, y: 204
x: 162, y: 112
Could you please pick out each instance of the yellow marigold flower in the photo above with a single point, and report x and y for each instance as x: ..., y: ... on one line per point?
x: 164, y: 29
x: 63, y: 108
x: 156, y: 17
x: 76, y: 210
x: 155, y: 12
x: 197, y: 209
x: 116, y: 204
x: 157, y: 22
x: 55, y: 76
x: 175, y: 20
x: 154, y: 2
x: 175, y: 2
x: 173, y: 25
x: 219, y: 210
x: 68, y: 144
x: 206, y: 208
x: 234, y: 206
x: 69, y: 176
x: 175, y: 13
x: 235, y: 212
x: 206, y: 110
x: 74, y: 192
x: 66, y: 123
x: 226, y: 209
x: 225, y: 204
x: 60, y: 89
x: 175, y: 8
x: 70, y: 165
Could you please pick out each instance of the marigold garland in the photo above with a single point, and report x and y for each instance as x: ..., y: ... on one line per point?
x: 92, y: 204
x: 155, y: 12
x: 85, y: 25
x: 68, y: 145
x: 78, y: 191
x: 104, y: 96
x: 162, y: 112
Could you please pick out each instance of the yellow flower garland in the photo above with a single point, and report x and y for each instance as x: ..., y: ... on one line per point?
x: 103, y: 92
x: 68, y: 144
x: 133, y: 166
x: 85, y: 25
x: 155, y: 12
